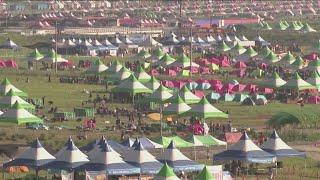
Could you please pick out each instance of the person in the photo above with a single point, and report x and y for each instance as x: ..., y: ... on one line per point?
x: 270, y: 173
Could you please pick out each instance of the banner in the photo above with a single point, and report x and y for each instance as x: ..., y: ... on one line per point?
x: 96, y: 175
x: 216, y: 171
x: 65, y: 175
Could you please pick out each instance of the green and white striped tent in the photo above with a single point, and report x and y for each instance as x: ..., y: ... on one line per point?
x: 35, y: 55
x: 176, y: 107
x: 160, y: 95
x: 144, y: 54
x: 274, y: 82
x: 10, y: 98
x: 205, y: 140
x: 314, y: 80
x: 18, y: 115
x: 115, y: 67
x: 205, y: 110
x: 297, y: 83
x: 6, y: 86
x: 282, y: 26
x: 165, y: 60
x: 264, y: 52
x: 247, y: 55
x: 223, y: 47
x: 166, y: 173
x: 97, y: 67
x: 314, y: 65
x: 123, y: 74
x: 132, y: 86
x: 307, y: 28
x: 205, y: 174
x: 288, y: 58
x: 183, y: 61
x: 53, y: 57
x: 298, y: 63
x: 271, y: 58
x: 153, y: 83
x: 157, y: 54
x: 187, y: 96
x: 142, y: 75
x: 238, y: 49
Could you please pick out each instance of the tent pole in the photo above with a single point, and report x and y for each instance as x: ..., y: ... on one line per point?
x: 37, y: 174
x: 161, y: 120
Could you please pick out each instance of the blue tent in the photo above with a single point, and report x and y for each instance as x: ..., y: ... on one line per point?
x: 33, y: 157
x: 146, y: 143
x: 106, y: 159
x: 113, y: 144
x: 141, y: 158
x: 179, y: 162
x: 245, y: 150
x: 274, y: 145
x: 214, y: 96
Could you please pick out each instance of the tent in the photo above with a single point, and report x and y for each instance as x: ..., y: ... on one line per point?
x: 176, y: 107
x: 132, y: 86
x: 157, y: 54
x: 153, y: 84
x: 314, y: 65
x: 307, y: 29
x: 227, y: 97
x: 240, y: 97
x: 6, y: 86
x: 166, y: 173
x: 115, y: 67
x: 248, y: 54
x: 243, y: 38
x: 54, y: 57
x: 142, y: 76
x: 248, y: 102
x: 314, y: 80
x: 238, y: 49
x: 205, y: 110
x: 282, y: 26
x: 9, y: 44
x: 276, y: 146
x: 179, y: 162
x: 183, y: 61
x: 271, y: 58
x: 35, y: 55
x: 106, y: 159
x: 150, y: 42
x: 298, y: 63
x: 223, y: 47
x: 274, y: 82
x: 187, y: 96
x: 165, y: 60
x: 205, y: 174
x: 141, y: 158
x: 214, y: 96
x: 288, y: 58
x: 144, y: 54
x: 145, y: 142
x: 68, y: 158
x: 35, y: 156
x: 245, y: 150
x: 297, y: 83
x: 18, y: 115
x: 11, y: 98
x: 205, y: 140
x: 97, y: 67
x: 96, y: 144
x: 265, y: 51
x: 179, y: 142
x: 123, y: 74
x: 160, y: 95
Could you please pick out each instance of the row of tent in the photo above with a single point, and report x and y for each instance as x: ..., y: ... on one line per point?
x: 137, y: 160
x: 284, y: 25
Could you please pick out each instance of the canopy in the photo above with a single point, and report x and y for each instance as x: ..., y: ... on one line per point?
x: 153, y: 84
x: 205, y: 174
x: 54, y: 57
x: 223, y: 47
x: 297, y: 83
x: 245, y: 150
x: 141, y: 75
x: 68, y: 158
x: 18, y: 115
x: 158, y: 53
x: 249, y: 53
x: 166, y: 173
x: 96, y: 144
x: 179, y: 142
x: 35, y: 55
x: 314, y: 80
x: 144, y: 54
x: 177, y: 107
x: 106, y: 159
x: 307, y: 29
x: 205, y: 110
x: 314, y: 65
x: 150, y: 42
x: 288, y: 58
x: 187, y: 96
x: 238, y: 49
x: 160, y: 95
x: 179, y: 162
x: 274, y: 145
x: 6, y: 86
x: 115, y: 67
x: 205, y: 140
x: 265, y: 51
x: 274, y: 82
x: 281, y: 26
x: 183, y: 61
x: 165, y: 60
x: 9, y: 44
x: 271, y: 58
x: 146, y: 143
x: 141, y: 158
x: 298, y: 63
x: 97, y: 67
x: 10, y: 98
x: 35, y: 156
x: 132, y: 86
x: 123, y: 74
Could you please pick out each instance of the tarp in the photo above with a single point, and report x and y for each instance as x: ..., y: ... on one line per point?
x: 179, y: 142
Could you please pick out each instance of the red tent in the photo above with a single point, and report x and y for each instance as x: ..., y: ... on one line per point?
x: 2, y: 64
x: 168, y: 84
x: 227, y: 87
x: 238, y: 88
x: 251, y: 87
x: 314, y: 100
x: 231, y: 138
x: 311, y: 57
x: 214, y: 81
x: 216, y: 87
x: 11, y: 64
x: 241, y: 65
x: 179, y: 84
x: 266, y: 90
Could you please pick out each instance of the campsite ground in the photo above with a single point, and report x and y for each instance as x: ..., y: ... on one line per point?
x: 68, y: 96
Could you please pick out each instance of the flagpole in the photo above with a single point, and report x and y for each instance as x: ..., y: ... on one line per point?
x: 56, y: 48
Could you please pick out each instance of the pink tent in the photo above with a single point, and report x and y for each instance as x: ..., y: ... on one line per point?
x: 217, y: 87
x: 311, y: 57
x: 205, y: 70
x: 224, y: 63
x: 171, y: 72
x: 214, y: 81
x: 238, y: 88
x: 265, y: 90
x: 168, y: 84
x: 250, y: 87
x: 11, y: 64
x: 194, y: 70
x: 179, y: 84
x: 154, y: 72
x: 199, y: 93
x: 67, y: 64
x: 227, y: 87
x: 314, y: 100
x: 203, y: 62
x: 241, y: 65
x: 200, y: 81
x: 2, y: 64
